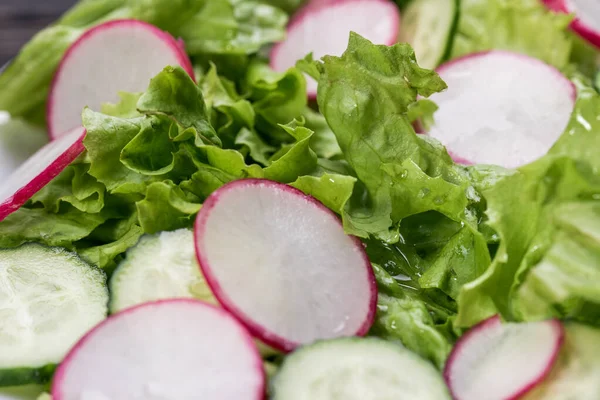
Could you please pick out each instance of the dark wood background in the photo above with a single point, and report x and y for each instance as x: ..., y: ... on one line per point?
x: 21, y: 19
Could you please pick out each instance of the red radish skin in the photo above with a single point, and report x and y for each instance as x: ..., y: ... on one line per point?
x: 147, y: 42
x: 259, y: 331
x: 90, y: 339
x: 490, y: 324
x: 579, y: 25
x: 303, y: 37
x: 466, y: 66
x: 30, y: 177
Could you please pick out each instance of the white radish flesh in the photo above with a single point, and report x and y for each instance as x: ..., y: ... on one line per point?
x: 280, y: 262
x: 323, y: 28
x: 117, y: 56
x: 501, y: 108
x: 497, y: 361
x: 38, y: 170
x: 587, y: 17
x: 169, y: 350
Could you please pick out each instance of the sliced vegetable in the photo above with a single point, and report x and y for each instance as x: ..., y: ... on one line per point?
x: 357, y: 369
x: 117, y: 56
x: 501, y: 108
x: 323, y: 29
x: 280, y: 262
x: 576, y: 374
x: 168, y: 349
x: 502, y: 361
x: 38, y: 170
x: 587, y: 17
x: 50, y: 298
x: 427, y: 25
x: 159, y: 266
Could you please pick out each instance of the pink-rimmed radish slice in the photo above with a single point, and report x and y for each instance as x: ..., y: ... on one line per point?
x: 501, y: 108
x: 323, y: 28
x: 280, y: 261
x: 169, y: 350
x: 587, y: 17
x: 502, y: 361
x: 116, y: 56
x: 38, y: 170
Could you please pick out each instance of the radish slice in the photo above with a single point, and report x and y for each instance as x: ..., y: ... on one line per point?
x: 323, y: 28
x: 169, y: 350
x: 587, y: 13
x: 501, y: 108
x: 280, y: 261
x: 38, y: 170
x: 121, y: 55
x: 496, y: 361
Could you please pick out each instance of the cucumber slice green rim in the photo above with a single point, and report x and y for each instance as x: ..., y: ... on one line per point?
x: 355, y: 368
x: 160, y: 266
x: 50, y: 298
x: 429, y: 26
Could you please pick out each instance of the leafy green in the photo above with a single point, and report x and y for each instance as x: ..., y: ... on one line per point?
x: 208, y: 27
x: 539, y: 213
x: 26, y: 80
x: 172, y: 93
x: 524, y: 26
x: 165, y: 208
x: 277, y: 98
x: 417, y: 211
x: 39, y: 225
x: 233, y: 27
x: 365, y: 96
x: 403, y: 316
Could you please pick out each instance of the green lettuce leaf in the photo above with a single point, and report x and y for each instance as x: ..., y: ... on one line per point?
x: 333, y: 190
x: 165, y: 208
x: 229, y: 112
x: 105, y: 256
x: 277, y: 98
x: 26, y: 80
x: 365, y: 96
x: 39, y: 225
x: 524, y: 26
x: 215, y: 27
x: 173, y: 93
x: 233, y: 27
x: 404, y: 317
x: 526, y: 209
x: 74, y: 186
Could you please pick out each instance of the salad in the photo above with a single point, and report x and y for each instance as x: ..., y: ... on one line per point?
x: 330, y: 199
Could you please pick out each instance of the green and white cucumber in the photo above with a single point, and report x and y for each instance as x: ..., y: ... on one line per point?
x: 49, y: 298
x: 428, y: 26
x: 160, y: 266
x: 357, y: 369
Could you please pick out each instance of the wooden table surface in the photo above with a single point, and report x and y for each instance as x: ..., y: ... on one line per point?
x: 21, y: 19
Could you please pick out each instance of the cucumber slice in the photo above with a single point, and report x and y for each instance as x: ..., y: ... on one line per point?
x: 49, y: 298
x: 597, y: 81
x: 24, y: 392
x: 357, y: 369
x: 159, y: 266
x: 428, y: 26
